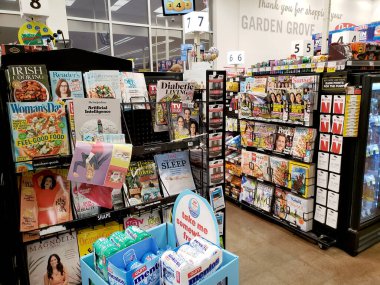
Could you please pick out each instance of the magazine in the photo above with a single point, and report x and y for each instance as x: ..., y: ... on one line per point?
x: 280, y: 170
x: 38, y: 129
x: 171, y: 91
x: 263, y: 196
x: 66, y: 84
x: 302, y: 178
x: 133, y: 89
x: 215, y: 117
x: 175, y: 172
x: 144, y: 221
x: 94, y: 116
x: 45, y: 199
x: 264, y: 135
x: 216, y: 171
x: 216, y: 87
x: 217, y: 198
x: 277, y: 104
x: 300, y: 212
x: 246, y: 158
x: 54, y: 260
x: 260, y: 166
x: 280, y: 207
x: 296, y: 105
x: 232, y: 86
x: 100, y: 163
x: 107, y: 138
x: 248, y: 186
x: 303, y: 143
x: 28, y: 83
x: 184, y: 120
x: 88, y: 236
x: 245, y: 101
x: 142, y: 182
x: 103, y: 84
x: 284, y: 140
x: 259, y: 84
x: 247, y: 133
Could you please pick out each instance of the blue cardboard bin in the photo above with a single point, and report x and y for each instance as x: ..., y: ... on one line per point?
x: 164, y: 235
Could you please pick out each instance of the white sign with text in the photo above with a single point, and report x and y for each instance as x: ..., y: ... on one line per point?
x: 235, y: 57
x: 196, y: 22
x: 34, y: 8
x: 302, y: 48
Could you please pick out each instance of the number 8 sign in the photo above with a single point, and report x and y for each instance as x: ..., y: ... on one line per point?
x: 34, y: 8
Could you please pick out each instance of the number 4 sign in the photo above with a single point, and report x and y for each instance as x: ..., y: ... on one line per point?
x: 196, y: 22
x: 34, y: 8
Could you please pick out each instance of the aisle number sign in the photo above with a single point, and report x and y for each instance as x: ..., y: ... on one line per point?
x: 192, y: 217
x: 345, y: 37
x: 34, y: 8
x: 302, y: 48
x: 196, y: 22
x: 235, y: 57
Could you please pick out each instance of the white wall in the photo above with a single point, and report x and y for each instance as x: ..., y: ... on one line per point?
x: 57, y: 19
x: 267, y: 27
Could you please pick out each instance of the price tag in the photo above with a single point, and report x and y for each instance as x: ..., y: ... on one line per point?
x: 320, y: 67
x: 254, y: 70
x: 303, y: 65
x: 236, y: 57
x: 345, y: 37
x: 302, y: 48
x: 34, y: 7
x: 331, y: 66
x: 196, y: 22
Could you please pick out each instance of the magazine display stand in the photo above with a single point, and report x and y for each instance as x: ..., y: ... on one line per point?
x: 136, y: 125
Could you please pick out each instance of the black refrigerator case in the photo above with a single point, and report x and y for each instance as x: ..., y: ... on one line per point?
x: 359, y: 210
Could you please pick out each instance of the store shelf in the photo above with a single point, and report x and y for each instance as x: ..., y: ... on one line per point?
x: 281, y: 123
x: 272, y: 153
x: 324, y: 242
x: 232, y: 199
x: 363, y: 63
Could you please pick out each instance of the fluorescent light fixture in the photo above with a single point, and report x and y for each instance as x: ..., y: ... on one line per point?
x: 124, y: 40
x: 69, y: 2
x: 119, y: 4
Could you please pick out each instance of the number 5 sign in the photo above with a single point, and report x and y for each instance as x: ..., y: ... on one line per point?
x: 34, y: 8
x: 302, y: 48
x: 196, y: 22
x: 236, y: 57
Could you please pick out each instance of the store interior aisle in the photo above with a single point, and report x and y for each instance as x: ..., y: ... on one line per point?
x: 269, y: 254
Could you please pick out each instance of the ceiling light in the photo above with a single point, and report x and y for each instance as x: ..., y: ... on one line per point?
x: 69, y: 2
x: 119, y: 4
x: 124, y: 40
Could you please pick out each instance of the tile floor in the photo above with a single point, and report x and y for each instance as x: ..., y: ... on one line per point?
x: 270, y: 254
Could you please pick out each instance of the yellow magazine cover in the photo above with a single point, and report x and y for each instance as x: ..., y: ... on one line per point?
x: 302, y: 178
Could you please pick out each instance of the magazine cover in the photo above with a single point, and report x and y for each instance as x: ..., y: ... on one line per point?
x: 300, y: 212
x: 96, y: 117
x: 145, y: 221
x: 280, y: 170
x: 107, y: 138
x: 66, y: 84
x: 217, y: 198
x: 232, y: 86
x: 296, y: 105
x: 259, y: 84
x: 45, y: 199
x: 70, y: 115
x: 215, y: 144
x: 263, y: 196
x: 284, y: 140
x: 302, y: 178
x: 28, y: 83
x: 216, y: 171
x: 133, y: 88
x: 175, y: 172
x: 184, y: 120
x: 280, y: 207
x: 103, y: 84
x: 100, y: 163
x: 216, y: 87
x: 246, y: 159
x: 245, y: 101
x: 247, y: 133
x: 38, y: 129
x: 260, y: 165
x: 171, y: 91
x: 54, y: 260
x: 248, y: 187
x: 264, y: 135
x: 142, y: 182
x: 215, y: 117
x: 277, y: 104
x: 88, y: 236
x: 303, y: 143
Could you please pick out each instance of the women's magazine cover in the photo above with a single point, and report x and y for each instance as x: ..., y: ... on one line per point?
x: 280, y: 170
x: 260, y: 166
x: 38, y: 129
x: 247, y: 133
x: 263, y: 197
x: 248, y: 186
x: 284, y: 140
x: 184, y: 120
x: 171, y: 91
x: 54, y: 260
x: 277, y: 104
x: 96, y: 117
x: 246, y: 158
x: 175, y: 172
x: 264, y: 135
x: 103, y: 84
x: 303, y: 143
x: 66, y: 85
x: 245, y: 101
x: 279, y: 206
x: 100, y: 163
x: 45, y: 199
x: 28, y: 83
x: 142, y: 182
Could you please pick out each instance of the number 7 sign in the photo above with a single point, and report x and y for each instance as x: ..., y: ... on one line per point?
x: 196, y: 22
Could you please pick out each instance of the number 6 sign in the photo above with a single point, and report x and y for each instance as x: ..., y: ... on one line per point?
x: 34, y: 8
x: 235, y: 57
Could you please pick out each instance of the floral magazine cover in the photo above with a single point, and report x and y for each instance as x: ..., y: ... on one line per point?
x: 103, y: 84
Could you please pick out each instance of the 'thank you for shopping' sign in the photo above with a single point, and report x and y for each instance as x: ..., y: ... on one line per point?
x: 192, y: 217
